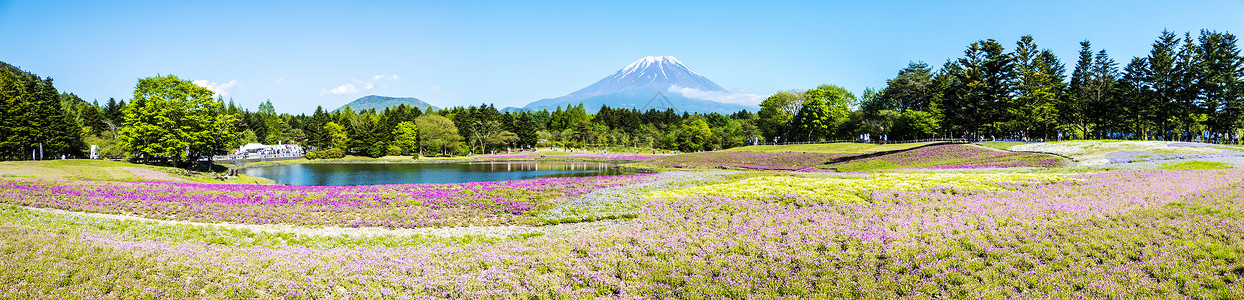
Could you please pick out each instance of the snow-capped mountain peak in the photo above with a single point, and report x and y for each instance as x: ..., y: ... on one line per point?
x: 635, y: 86
x: 658, y: 72
x: 660, y: 62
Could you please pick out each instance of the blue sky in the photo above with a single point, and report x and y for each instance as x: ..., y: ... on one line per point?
x: 300, y: 54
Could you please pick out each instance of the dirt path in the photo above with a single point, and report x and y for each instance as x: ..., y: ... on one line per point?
x: 148, y: 174
x: 487, y: 231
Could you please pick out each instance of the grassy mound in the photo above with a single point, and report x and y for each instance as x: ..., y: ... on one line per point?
x: 745, y: 160
x: 839, y: 148
x: 947, y: 156
x: 103, y: 170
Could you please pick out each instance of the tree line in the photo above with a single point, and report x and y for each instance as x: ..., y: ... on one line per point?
x: 170, y: 120
x: 1186, y: 88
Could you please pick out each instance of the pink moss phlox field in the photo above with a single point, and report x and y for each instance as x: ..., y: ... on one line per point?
x: 613, y: 156
x: 747, y: 160
x: 956, y: 156
x: 605, y: 156
x: 505, y: 156
x: 393, y: 206
x: 1123, y: 235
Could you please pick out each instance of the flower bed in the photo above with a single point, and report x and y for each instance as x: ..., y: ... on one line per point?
x: 949, y: 156
x: 1128, y: 235
x: 393, y: 206
x: 1146, y: 156
x: 822, y: 190
x: 613, y: 156
x: 746, y: 160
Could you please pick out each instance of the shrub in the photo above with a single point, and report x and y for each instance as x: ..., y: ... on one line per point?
x: 326, y: 154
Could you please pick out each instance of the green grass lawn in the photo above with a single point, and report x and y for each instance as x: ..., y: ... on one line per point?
x: 1195, y: 165
x: 831, y: 148
x: 999, y: 145
x: 103, y: 170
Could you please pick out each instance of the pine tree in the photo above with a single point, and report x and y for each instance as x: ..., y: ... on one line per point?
x: 1220, y: 72
x: 1040, y: 86
x: 979, y: 89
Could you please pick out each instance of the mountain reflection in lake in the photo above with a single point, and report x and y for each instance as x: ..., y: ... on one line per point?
x: 367, y: 174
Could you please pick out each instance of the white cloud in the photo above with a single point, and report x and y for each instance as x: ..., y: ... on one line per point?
x: 719, y: 96
x: 383, y: 77
x: 366, y: 85
x: 353, y: 87
x: 436, y: 89
x: 279, y: 82
x: 223, y: 90
x: 345, y: 89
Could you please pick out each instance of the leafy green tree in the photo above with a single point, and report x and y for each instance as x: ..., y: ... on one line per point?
x: 248, y: 136
x: 911, y: 89
x: 337, y: 136
x: 437, y: 133
x: 270, y: 122
x: 172, y: 119
x: 825, y: 109
x: 915, y: 124
x: 776, y: 113
x: 694, y: 134
x: 406, y: 137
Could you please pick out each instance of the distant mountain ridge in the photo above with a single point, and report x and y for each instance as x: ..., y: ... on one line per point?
x: 638, y: 84
x: 381, y: 102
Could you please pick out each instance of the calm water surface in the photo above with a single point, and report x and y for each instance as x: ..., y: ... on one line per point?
x: 367, y: 174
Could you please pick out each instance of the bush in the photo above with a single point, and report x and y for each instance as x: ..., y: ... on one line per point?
x: 394, y: 151
x: 326, y: 154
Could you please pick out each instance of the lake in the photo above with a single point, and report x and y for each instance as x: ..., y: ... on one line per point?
x: 368, y: 174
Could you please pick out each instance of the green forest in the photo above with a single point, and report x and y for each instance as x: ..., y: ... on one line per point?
x: 1187, y: 88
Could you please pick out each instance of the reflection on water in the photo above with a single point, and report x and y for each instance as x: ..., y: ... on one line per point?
x: 365, y: 174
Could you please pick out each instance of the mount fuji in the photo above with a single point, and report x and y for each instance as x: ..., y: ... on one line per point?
x: 654, y: 82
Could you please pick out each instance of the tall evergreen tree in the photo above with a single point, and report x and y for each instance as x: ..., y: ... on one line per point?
x: 911, y: 89
x: 979, y: 88
x: 1220, y: 72
x: 1075, y: 109
x: 1040, y: 86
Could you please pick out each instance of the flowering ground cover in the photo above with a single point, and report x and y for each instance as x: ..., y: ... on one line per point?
x: 746, y: 160
x: 823, y: 190
x: 853, y: 148
x: 1126, y: 235
x: 392, y: 206
x: 1188, y: 151
x: 948, y: 156
x: 603, y: 156
x: 1103, y: 153
x: 612, y: 156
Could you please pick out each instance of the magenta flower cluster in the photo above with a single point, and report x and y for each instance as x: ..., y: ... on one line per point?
x: 747, y: 160
x: 393, y: 206
x: 952, y: 156
x: 1116, y: 235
